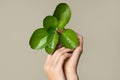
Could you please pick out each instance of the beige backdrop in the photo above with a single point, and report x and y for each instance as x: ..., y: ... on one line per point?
x: 97, y: 20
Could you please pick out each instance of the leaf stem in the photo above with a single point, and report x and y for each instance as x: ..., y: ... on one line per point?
x: 60, y: 31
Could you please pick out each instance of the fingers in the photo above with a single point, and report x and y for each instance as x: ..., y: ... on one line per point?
x: 48, y: 58
x: 62, y: 59
x: 57, y: 59
x: 54, y: 64
x: 47, y: 62
x: 77, y: 52
x: 80, y: 38
x: 58, y: 53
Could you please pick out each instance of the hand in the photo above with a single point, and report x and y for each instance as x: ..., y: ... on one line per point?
x: 62, y: 65
x: 54, y: 64
x: 71, y: 64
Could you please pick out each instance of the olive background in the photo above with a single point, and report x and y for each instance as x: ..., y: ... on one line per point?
x: 97, y: 20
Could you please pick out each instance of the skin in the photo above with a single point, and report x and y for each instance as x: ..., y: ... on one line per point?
x: 62, y: 64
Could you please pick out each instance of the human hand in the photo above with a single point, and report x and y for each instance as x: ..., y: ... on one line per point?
x: 62, y: 65
x: 54, y: 64
x: 71, y: 64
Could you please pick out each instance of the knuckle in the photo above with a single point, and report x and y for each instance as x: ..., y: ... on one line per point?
x: 46, y: 67
x: 81, y: 50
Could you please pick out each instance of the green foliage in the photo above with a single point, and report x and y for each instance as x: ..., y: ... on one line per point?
x: 52, y: 42
x: 63, y: 14
x: 50, y: 21
x: 38, y: 39
x: 69, y: 39
x: 54, y: 32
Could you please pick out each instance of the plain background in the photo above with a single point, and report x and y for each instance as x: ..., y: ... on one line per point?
x: 97, y: 20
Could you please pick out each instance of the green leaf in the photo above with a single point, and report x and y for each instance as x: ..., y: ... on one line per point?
x: 51, y: 30
x: 63, y: 14
x: 38, y: 39
x: 52, y: 43
x: 69, y: 39
x: 50, y: 21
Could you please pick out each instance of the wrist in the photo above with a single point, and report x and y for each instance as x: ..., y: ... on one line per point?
x: 72, y: 75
